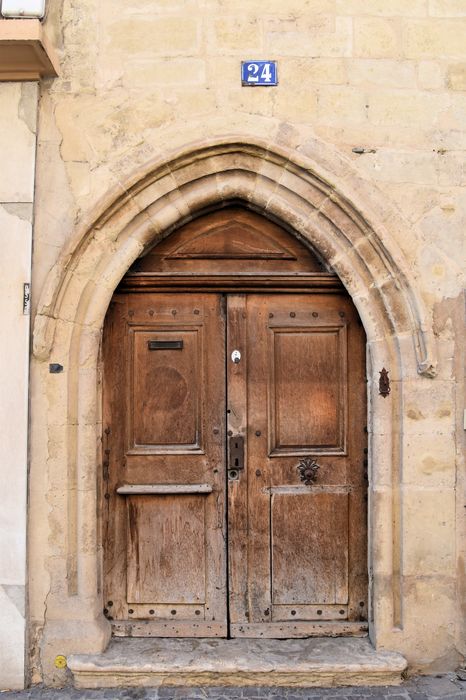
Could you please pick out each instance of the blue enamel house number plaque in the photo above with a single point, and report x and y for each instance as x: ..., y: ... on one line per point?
x: 262, y: 73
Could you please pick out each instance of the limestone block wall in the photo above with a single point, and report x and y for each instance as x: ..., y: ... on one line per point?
x: 380, y: 85
x: 18, y: 111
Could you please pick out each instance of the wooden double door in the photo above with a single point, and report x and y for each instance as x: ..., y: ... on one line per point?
x: 234, y: 489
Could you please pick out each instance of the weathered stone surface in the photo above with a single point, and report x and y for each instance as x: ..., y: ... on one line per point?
x: 371, y: 98
x: 376, y: 38
x: 298, y: 662
x: 457, y: 76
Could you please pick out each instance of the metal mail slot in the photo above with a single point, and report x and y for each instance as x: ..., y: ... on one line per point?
x: 165, y: 344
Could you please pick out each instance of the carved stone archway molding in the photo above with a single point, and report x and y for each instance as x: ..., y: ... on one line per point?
x: 280, y: 183
x: 287, y: 186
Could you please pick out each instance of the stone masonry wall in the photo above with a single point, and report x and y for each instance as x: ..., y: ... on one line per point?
x: 141, y: 78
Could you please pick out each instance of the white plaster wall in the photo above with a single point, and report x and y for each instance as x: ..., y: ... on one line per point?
x: 18, y: 108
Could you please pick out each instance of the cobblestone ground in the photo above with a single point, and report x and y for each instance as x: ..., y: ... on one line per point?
x: 445, y: 687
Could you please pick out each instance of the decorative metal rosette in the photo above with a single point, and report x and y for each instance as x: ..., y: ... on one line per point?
x: 307, y: 469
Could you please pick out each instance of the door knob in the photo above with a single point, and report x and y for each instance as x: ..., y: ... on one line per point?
x: 235, y: 356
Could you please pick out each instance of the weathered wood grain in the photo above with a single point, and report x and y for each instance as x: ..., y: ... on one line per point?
x: 296, y: 553
x: 164, y: 502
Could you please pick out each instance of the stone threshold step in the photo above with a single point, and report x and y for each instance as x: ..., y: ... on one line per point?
x: 314, y: 661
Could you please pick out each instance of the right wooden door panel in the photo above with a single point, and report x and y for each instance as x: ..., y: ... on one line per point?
x: 300, y: 564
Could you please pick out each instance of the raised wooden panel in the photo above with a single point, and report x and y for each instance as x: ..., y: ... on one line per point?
x: 308, y: 389
x: 237, y: 240
x: 165, y: 407
x: 166, y: 549
x: 230, y: 241
x: 309, y: 548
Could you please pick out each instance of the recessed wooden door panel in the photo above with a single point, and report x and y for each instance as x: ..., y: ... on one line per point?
x: 297, y: 551
x: 309, y: 548
x: 166, y: 549
x: 164, y: 465
x: 308, y: 382
x: 165, y: 407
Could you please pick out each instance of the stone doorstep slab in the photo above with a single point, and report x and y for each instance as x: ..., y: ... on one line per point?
x: 315, y: 661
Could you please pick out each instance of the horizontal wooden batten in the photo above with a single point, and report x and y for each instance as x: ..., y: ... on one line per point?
x: 163, y: 612
x: 287, y: 630
x: 161, y: 489
x: 292, y: 489
x: 309, y: 613
x: 162, y: 628
x: 320, y: 283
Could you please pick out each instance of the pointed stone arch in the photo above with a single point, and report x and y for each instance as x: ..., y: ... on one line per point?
x: 286, y: 186
x: 279, y: 184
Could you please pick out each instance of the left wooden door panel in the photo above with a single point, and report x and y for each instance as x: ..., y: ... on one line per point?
x: 164, y: 471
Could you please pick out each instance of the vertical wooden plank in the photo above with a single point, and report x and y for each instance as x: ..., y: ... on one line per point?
x: 214, y: 428
x: 238, y: 534
x: 113, y: 462
x: 259, y: 465
x: 357, y: 466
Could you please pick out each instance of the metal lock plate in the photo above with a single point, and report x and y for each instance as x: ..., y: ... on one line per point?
x: 235, y: 455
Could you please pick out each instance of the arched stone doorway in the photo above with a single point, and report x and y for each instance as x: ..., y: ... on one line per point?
x: 68, y: 329
x: 235, y: 439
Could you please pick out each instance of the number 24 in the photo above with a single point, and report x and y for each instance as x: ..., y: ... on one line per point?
x: 265, y: 74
